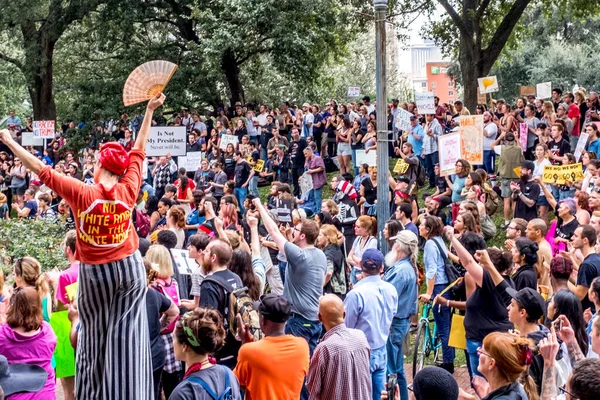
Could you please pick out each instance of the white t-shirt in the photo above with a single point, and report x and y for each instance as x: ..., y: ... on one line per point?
x: 309, y: 119
x: 539, y: 171
x: 262, y: 119
x: 489, y: 136
x: 370, y: 108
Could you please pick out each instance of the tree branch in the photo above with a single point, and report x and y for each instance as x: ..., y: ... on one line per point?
x: 481, y: 9
x: 456, y: 19
x: 11, y: 60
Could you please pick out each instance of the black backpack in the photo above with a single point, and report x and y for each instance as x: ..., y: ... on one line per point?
x: 452, y: 272
x: 421, y: 175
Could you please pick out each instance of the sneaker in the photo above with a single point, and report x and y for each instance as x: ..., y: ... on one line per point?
x: 505, y: 225
x: 413, y: 328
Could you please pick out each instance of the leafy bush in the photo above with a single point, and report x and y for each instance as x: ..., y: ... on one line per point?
x: 39, y: 239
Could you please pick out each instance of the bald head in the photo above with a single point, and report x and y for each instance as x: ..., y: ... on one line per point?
x: 331, y: 311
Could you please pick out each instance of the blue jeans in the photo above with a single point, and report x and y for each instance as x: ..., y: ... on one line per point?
x: 488, y: 161
x: 430, y: 161
x: 282, y: 267
x: 354, y: 162
x: 253, y: 186
x: 395, y: 361
x: 299, y: 326
x: 472, y: 346
x: 378, y: 363
x: 317, y: 196
x: 353, y: 273
x: 443, y: 318
x: 240, y: 195
x: 565, y: 194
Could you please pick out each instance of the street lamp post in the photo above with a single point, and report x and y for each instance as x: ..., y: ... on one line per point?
x: 383, y: 207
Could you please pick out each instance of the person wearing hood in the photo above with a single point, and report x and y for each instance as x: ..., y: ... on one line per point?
x: 345, y: 197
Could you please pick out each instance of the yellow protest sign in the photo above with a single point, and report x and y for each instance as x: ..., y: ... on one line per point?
x: 260, y: 164
x: 72, y: 290
x: 401, y: 167
x: 559, y: 174
x: 517, y: 171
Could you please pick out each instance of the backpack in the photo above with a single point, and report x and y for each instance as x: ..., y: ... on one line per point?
x: 451, y: 271
x: 225, y: 395
x: 141, y: 223
x: 421, y: 175
x: 239, y: 303
x: 492, y: 201
x: 172, y: 292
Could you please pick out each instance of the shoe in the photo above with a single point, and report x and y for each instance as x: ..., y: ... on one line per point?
x: 505, y: 225
x: 448, y: 367
x: 413, y: 328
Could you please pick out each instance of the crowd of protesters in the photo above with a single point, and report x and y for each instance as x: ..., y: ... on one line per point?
x: 327, y: 314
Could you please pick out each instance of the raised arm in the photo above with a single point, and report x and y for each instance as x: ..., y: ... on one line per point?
x: 466, y: 259
x: 34, y: 164
x: 270, y: 225
x: 142, y: 138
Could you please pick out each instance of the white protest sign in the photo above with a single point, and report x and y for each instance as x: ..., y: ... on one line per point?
x: 488, y: 84
x: 354, y: 91
x: 425, y: 103
x: 43, y: 129
x: 145, y: 169
x: 226, y: 139
x: 191, y: 162
x: 185, y: 265
x: 165, y: 140
x: 370, y: 158
x: 581, y: 145
x: 544, y: 90
x: 306, y: 183
x: 450, y: 152
x: 27, y: 139
x: 403, y: 120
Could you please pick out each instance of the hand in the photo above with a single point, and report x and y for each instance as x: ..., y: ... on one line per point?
x: 509, y: 244
x: 587, y: 315
x: 483, y: 257
x: 425, y: 298
x: 218, y: 223
x: 384, y: 394
x: 548, y: 347
x: 156, y: 101
x: 73, y: 311
x: 440, y: 300
x: 366, y: 151
x: 566, y: 333
x: 256, y: 203
x: 243, y: 330
x: 245, y: 185
x: 5, y: 136
x: 449, y: 232
x: 14, y: 206
x: 208, y: 208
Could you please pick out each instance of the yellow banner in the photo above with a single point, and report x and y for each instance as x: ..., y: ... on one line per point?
x: 559, y: 174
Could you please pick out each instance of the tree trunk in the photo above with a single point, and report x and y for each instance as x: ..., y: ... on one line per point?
x: 471, y: 68
x: 38, y: 70
x: 232, y: 74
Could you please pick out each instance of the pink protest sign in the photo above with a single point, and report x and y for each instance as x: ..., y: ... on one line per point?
x: 523, y: 130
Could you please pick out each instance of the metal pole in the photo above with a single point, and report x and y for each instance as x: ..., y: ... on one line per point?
x: 383, y: 206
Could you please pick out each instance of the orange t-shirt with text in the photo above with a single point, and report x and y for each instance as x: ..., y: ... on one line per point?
x: 105, y: 231
x: 273, y: 368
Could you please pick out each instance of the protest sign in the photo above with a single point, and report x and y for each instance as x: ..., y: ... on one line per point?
x: 354, y: 91
x: 544, y: 90
x: 481, y: 97
x: 523, y: 131
x: 370, y: 158
x: 185, y: 265
x: 258, y: 167
x: 145, y: 169
x: 425, y: 103
x: 488, y: 84
x: 226, y: 139
x: 403, y: 120
x: 43, y: 129
x: 581, y: 145
x: 27, y: 139
x: 72, y: 291
x: 165, y: 140
x: 526, y: 91
x: 471, y: 137
x: 559, y: 174
x: 306, y: 183
x: 64, y: 354
x: 449, y: 152
x: 191, y: 161
x: 283, y: 209
x: 401, y: 167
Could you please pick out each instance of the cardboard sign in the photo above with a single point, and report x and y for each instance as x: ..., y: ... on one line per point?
x: 370, y: 158
x: 27, y: 139
x: 581, y: 145
x: 306, y: 183
x: 64, y: 354
x: 165, y: 140
x: 72, y: 291
x: 488, y: 84
x: 354, y: 91
x: 544, y: 90
x: 559, y: 174
x: 481, y: 97
x: 145, y: 169
x: 425, y: 103
x: 449, y: 153
x: 471, y: 138
x: 403, y: 120
x: 283, y: 208
x: 523, y: 131
x: 526, y: 91
x: 226, y: 139
x: 43, y: 129
x: 191, y: 161
x: 185, y: 264
x: 401, y: 167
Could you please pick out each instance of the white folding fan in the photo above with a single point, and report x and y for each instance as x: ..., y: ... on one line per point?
x: 147, y: 80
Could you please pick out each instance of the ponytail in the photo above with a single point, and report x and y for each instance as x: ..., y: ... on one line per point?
x: 41, y: 285
x: 529, y: 385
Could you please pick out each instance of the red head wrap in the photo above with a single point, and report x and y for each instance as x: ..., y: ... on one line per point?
x: 113, y: 157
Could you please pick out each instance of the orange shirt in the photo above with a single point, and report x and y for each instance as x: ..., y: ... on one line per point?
x: 105, y: 232
x: 273, y: 368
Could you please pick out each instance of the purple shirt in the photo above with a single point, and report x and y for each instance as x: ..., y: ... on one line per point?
x: 67, y: 277
x: 320, y: 178
x: 36, y: 349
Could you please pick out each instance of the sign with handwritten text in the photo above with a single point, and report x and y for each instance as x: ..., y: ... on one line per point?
x: 43, y: 129
x: 105, y: 223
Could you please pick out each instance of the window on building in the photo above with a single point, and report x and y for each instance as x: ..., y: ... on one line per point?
x: 433, y: 85
x: 424, y: 85
x: 450, y: 83
x: 451, y: 93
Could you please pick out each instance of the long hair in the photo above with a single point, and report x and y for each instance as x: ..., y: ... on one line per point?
x: 178, y: 216
x: 512, y: 355
x: 229, y: 213
x: 393, y: 227
x: 160, y: 255
x: 241, y: 265
x: 369, y: 223
x: 566, y: 303
x: 25, y: 310
x: 30, y: 270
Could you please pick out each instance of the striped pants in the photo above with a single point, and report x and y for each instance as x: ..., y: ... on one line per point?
x: 113, y: 354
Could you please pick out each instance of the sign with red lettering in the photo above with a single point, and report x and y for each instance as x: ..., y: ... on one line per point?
x: 105, y: 223
x: 43, y: 129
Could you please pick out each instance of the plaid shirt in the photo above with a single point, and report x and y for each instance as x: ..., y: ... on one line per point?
x: 340, y: 367
x: 430, y: 143
x: 171, y: 364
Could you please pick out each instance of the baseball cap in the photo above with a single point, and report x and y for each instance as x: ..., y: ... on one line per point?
x: 273, y: 307
x: 413, y: 118
x: 530, y: 300
x: 564, y: 106
x: 305, y: 105
x: 510, y: 137
x: 372, y: 259
x: 403, y: 178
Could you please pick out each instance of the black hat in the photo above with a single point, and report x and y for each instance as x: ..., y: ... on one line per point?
x: 19, y: 378
x: 403, y: 178
x: 528, y: 165
x: 274, y: 308
x: 530, y: 300
x: 413, y: 118
x: 435, y: 383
